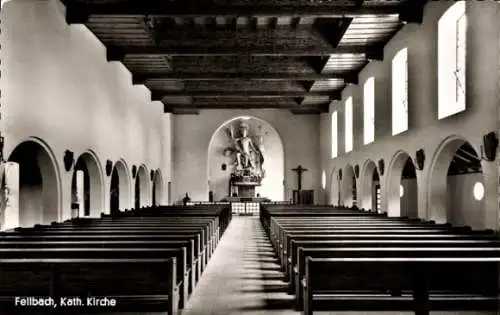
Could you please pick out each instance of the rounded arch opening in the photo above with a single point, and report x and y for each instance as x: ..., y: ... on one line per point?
x: 402, y: 187
x: 221, y: 165
x: 157, y: 188
x: 39, y: 193
x: 349, y: 189
x: 120, y: 187
x: 455, y: 177
x: 370, y: 187
x: 87, y: 186
x: 142, y: 188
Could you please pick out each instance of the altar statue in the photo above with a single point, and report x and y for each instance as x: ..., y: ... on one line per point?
x: 248, y: 155
x: 245, y: 150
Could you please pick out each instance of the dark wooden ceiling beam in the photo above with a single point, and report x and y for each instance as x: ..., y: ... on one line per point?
x: 332, y: 29
x: 299, y: 100
x: 307, y: 84
x: 79, y: 11
x: 352, y: 78
x: 115, y: 53
x: 157, y: 95
x: 376, y: 53
x: 141, y: 78
x: 180, y: 110
x: 412, y: 11
x: 318, y: 62
x: 221, y: 105
x: 308, y: 111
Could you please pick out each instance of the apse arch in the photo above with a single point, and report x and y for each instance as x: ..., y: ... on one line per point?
x: 40, y: 195
x: 120, y: 187
x: 439, y: 208
x: 142, y: 188
x: 400, y: 162
x: 349, y: 189
x: 93, y: 183
x: 158, y: 188
x: 273, y: 183
x: 370, y: 179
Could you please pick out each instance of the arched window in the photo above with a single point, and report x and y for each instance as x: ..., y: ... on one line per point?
x: 335, y: 135
x: 369, y: 111
x: 400, y: 92
x: 452, y: 27
x: 348, y: 125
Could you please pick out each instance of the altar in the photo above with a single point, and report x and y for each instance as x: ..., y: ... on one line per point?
x: 244, y: 186
x: 247, y: 152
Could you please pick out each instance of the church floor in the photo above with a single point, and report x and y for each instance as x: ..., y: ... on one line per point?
x: 243, y: 277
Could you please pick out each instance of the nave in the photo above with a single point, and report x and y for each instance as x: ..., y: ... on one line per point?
x: 294, y: 259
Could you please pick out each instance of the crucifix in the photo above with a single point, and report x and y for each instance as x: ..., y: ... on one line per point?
x: 299, y: 170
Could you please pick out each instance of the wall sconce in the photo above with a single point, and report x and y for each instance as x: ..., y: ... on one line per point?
x: 381, y: 166
x: 69, y: 159
x: 489, y: 147
x: 420, y: 159
x: 109, y: 167
x: 2, y: 143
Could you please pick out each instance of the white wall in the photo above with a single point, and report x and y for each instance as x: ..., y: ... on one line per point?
x: 425, y: 131
x: 192, y: 134
x: 409, y: 200
x: 463, y: 208
x: 57, y: 86
x: 272, y: 184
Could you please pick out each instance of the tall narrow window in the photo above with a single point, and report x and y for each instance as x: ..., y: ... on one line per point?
x: 400, y: 92
x: 335, y: 135
x: 369, y: 110
x: 348, y: 125
x: 452, y: 29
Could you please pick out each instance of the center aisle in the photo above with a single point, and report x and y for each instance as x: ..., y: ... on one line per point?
x: 242, y: 277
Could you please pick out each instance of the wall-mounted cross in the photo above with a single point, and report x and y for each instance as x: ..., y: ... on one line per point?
x: 299, y: 170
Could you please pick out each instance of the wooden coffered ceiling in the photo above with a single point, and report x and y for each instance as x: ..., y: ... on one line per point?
x: 210, y: 54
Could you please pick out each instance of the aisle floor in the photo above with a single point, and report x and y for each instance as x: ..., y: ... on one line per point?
x: 243, y: 277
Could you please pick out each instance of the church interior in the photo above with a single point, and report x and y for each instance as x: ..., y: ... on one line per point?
x: 215, y: 157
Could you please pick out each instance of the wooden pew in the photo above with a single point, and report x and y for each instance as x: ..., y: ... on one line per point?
x: 116, y: 238
x: 296, y: 261
x: 137, y: 284
x: 381, y: 251
x: 380, y: 235
x: 139, y: 232
x: 190, y: 237
x: 426, y: 284
x: 385, y: 232
x: 208, y: 235
x: 212, y: 230
x: 190, y: 267
x: 182, y: 280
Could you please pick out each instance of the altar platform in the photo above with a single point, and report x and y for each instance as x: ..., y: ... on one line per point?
x: 241, y: 205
